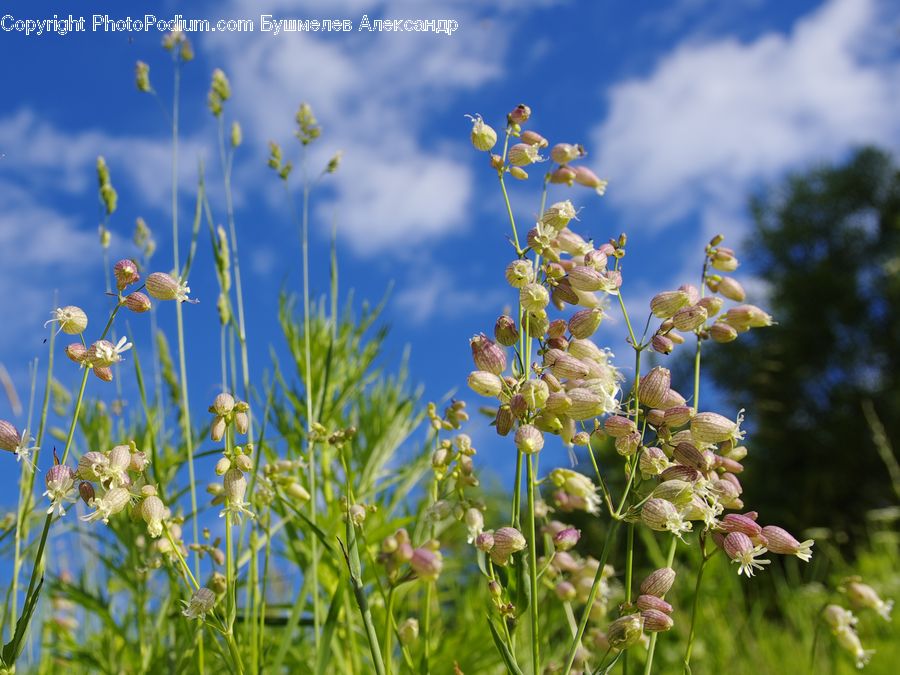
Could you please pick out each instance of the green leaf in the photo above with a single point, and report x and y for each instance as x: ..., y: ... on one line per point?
x: 324, y: 656
x: 507, y: 655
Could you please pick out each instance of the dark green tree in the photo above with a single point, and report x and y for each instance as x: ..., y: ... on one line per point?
x: 827, y: 243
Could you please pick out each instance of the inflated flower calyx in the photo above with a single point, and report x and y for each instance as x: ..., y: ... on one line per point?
x: 483, y: 136
x: 487, y: 354
x: 505, y: 331
x: 654, y: 387
x: 72, y: 320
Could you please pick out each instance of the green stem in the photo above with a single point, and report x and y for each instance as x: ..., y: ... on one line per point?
x: 517, y: 493
x: 694, y: 609
x: 388, y: 630
x: 629, y: 564
x: 533, y: 573
x: 512, y: 220
x: 652, y: 648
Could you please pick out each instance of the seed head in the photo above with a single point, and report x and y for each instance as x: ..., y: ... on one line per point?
x: 126, y: 273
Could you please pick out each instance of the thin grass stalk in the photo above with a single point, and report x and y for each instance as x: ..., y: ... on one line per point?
x: 532, y: 572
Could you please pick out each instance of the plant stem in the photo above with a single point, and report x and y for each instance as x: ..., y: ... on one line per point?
x: 388, y: 629
x: 532, y: 564
x: 694, y: 608
x: 650, y: 651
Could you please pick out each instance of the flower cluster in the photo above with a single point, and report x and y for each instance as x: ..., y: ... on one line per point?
x: 843, y: 621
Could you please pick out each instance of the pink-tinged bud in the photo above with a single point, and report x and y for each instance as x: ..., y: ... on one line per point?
x: 9, y: 437
x: 584, y: 176
x: 653, y: 462
x: 656, y: 621
x: 529, y: 439
x: 565, y: 591
x: 504, y: 420
x: 522, y: 154
x: 163, y: 286
x: 564, y: 365
x: 654, y: 387
x: 743, y: 317
x: 563, y: 175
x: 566, y: 539
x: 519, y: 273
x: 736, y: 522
x: 662, y: 344
x: 646, y: 602
x: 679, y: 415
x: 496, y: 162
x: 659, y: 582
x: 711, y: 304
x: 709, y: 427
x: 862, y: 596
x: 665, y: 304
x: 563, y: 153
x: 103, y: 373
x: 519, y: 406
x: 563, y: 294
x: 86, y: 491
x: 483, y: 136
x: 534, y: 138
x: 505, y: 331
x: 731, y: 289
x: 618, y: 426
x: 692, y: 291
x: 780, y: 541
x: 690, y: 318
x: 485, y: 383
x: 655, y: 417
x: 485, y: 541
x: 507, y: 540
x: 688, y: 455
x: 137, y: 302
x: 519, y: 115
x: 625, y: 631
x: 76, y: 352
x: 126, y: 273
x: 722, y: 333
x: 583, y: 278
x: 585, y: 322
x: 585, y: 404
x: 487, y: 355
x: 534, y: 297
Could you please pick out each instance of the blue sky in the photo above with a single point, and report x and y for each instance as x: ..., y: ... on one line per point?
x: 684, y: 106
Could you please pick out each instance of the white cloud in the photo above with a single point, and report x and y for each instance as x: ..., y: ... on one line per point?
x: 714, y: 118
x: 436, y: 292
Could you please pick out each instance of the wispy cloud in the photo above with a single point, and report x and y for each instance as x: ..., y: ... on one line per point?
x: 437, y: 293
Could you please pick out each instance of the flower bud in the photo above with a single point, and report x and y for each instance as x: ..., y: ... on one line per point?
x: 584, y: 278
x: 519, y: 115
x: 504, y: 420
x: 625, y: 631
x: 864, y: 596
x: 690, y: 318
x: 427, y: 564
x: 86, y: 491
x: 296, y: 491
x: 687, y: 454
x: 665, y: 304
x: 126, y: 273
x: 565, y: 591
x: 485, y: 383
x: 656, y: 621
x: 408, y: 631
x: 153, y: 511
x: 507, y: 540
x: 487, y: 355
x: 483, y: 136
x: 534, y: 138
x: 653, y: 462
x: 731, y: 289
x: 217, y: 429
x: 163, y: 286
x: 485, y: 541
x: 534, y: 297
x: 736, y: 522
x: 76, y: 352
x: 721, y: 332
x: 505, y: 331
x: 223, y: 404
x: 646, y: 602
x: 565, y: 365
x: 566, y: 539
x: 242, y: 421
x: 235, y: 485
x: 724, y: 261
x: 585, y: 322
x: 558, y: 215
x: 9, y: 437
x: 662, y: 344
x: 529, y: 439
x: 711, y: 304
x: 618, y: 426
x: 522, y: 154
x: 709, y: 427
x: 137, y: 302
x: 659, y: 582
x: 243, y: 462
x: 654, y: 387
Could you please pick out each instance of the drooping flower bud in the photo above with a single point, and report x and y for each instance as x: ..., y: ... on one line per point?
x: 505, y: 331
x: 529, y: 439
x: 558, y: 215
x: 656, y: 621
x: 235, y: 485
x: 646, y: 601
x: 163, y: 286
x: 522, y: 154
x: 565, y: 365
x: 864, y: 596
x: 566, y: 539
x: 563, y: 175
x: 487, y: 355
x: 223, y: 404
x: 519, y: 115
x: 665, y: 304
x: 507, y: 540
x: 731, y: 289
x: 662, y: 344
x: 744, y: 317
x: 585, y: 322
x: 736, y: 522
x: 743, y: 551
x: 86, y: 491
x: 153, y: 511
x: 659, y: 582
x: 709, y: 427
x: 534, y: 138
x: 618, y: 426
x: 722, y: 333
x: 690, y: 318
x: 426, y: 563
x: 712, y: 305
x: 137, y: 302
x: 126, y: 273
x: 563, y: 153
x: 485, y: 541
x: 584, y: 176
x: 202, y: 602
x: 654, y: 387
